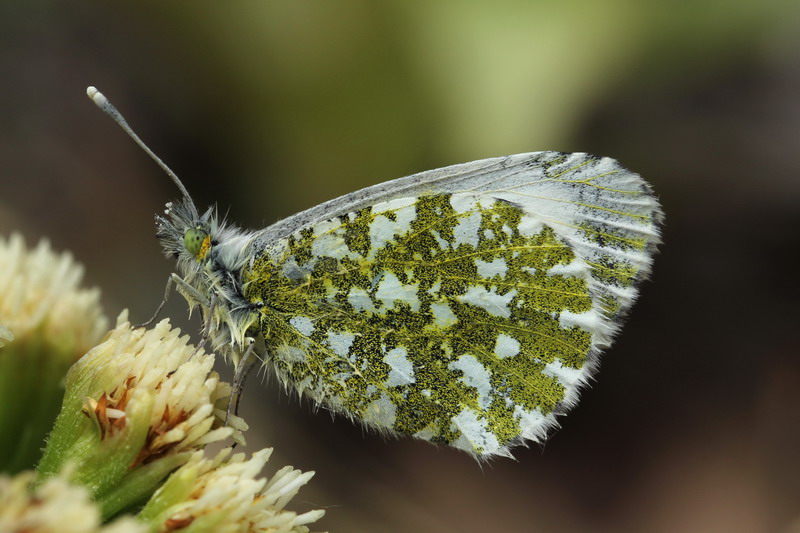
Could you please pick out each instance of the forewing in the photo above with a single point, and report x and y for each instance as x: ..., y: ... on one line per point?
x: 463, y: 305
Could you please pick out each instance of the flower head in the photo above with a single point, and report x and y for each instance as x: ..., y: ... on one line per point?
x: 54, y: 506
x: 47, y: 321
x: 225, y: 495
x: 136, y: 407
x: 40, y: 295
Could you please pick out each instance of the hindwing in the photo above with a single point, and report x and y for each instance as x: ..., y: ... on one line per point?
x: 465, y: 305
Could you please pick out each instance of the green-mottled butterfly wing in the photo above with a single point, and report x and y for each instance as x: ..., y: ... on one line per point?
x: 464, y: 305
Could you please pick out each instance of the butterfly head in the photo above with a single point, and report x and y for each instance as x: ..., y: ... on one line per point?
x: 184, y: 233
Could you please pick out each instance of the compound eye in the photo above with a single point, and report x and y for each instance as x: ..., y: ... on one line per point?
x: 197, y: 242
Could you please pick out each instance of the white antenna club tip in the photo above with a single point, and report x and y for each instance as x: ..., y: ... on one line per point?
x: 96, y: 96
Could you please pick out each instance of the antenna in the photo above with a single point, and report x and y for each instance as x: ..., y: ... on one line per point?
x: 103, y: 103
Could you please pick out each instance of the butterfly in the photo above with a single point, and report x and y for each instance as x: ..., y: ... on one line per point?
x: 465, y: 306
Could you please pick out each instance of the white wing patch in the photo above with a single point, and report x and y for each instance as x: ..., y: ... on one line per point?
x: 488, y: 299
x: 401, y: 369
x: 383, y: 229
x: 490, y: 269
x: 443, y: 316
x: 340, y: 343
x: 391, y: 292
x: 475, y: 375
x: 303, y: 324
x: 507, y: 346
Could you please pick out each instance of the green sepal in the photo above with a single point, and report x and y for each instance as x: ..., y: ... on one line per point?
x: 31, y: 389
x: 139, y: 484
x: 174, y: 491
x: 98, y: 463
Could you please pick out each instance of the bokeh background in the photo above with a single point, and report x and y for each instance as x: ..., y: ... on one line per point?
x: 267, y: 107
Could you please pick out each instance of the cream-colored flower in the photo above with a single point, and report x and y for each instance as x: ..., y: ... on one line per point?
x: 40, y: 295
x: 225, y: 495
x: 188, y: 398
x: 54, y: 506
x: 136, y: 407
x: 46, y: 323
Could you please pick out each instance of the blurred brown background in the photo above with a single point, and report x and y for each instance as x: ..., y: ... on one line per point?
x: 268, y: 107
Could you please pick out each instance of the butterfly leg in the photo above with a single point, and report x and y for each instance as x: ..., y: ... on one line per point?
x: 208, y: 322
x: 240, y: 375
x: 160, y: 307
x: 189, y: 292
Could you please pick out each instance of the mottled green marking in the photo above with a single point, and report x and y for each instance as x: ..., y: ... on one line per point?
x: 610, y: 237
x: 421, y: 296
